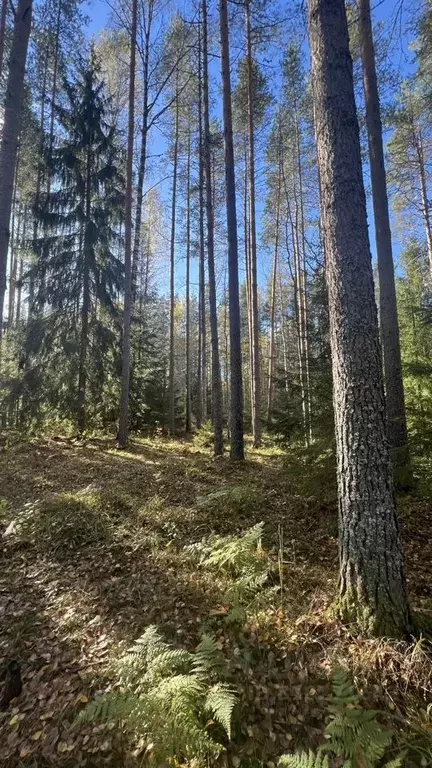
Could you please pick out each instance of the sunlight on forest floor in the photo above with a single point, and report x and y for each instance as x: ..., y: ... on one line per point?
x: 94, y: 551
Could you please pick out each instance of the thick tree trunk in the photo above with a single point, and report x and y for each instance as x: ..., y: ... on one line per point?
x: 188, y: 419
x: 127, y: 313
x: 236, y: 381
x: 216, y: 372
x: 395, y: 402
x: 256, y: 359
x: 372, y: 584
x: 11, y: 128
x: 171, y: 387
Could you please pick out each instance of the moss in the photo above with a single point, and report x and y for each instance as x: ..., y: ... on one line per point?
x: 381, y: 620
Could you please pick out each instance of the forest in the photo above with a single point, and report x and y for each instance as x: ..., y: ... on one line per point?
x: 216, y: 383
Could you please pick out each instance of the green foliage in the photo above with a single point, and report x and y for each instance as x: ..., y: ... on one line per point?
x: 353, y: 733
x: 243, y: 560
x: 238, y: 499
x: 205, y: 436
x: 66, y: 523
x: 166, y: 696
x: 304, y: 760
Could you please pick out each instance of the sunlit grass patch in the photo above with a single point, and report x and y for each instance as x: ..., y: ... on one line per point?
x: 67, y: 522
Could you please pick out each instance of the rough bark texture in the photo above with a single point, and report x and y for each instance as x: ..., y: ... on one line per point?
x: 126, y: 346
x: 236, y: 382
x: 216, y: 371
x: 11, y: 127
x: 372, y: 584
x: 395, y: 402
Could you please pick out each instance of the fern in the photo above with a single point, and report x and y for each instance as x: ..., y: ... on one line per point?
x: 166, y: 696
x: 304, y: 760
x: 242, y: 559
x: 354, y: 732
x: 220, y: 701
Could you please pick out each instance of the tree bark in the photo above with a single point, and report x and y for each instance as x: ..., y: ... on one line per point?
x: 11, y: 128
x: 256, y: 362
x: 123, y: 431
x: 188, y: 419
x: 271, y: 368
x: 143, y: 150
x: 85, y: 307
x: 3, y: 16
x: 216, y: 369
x: 372, y: 591
x: 236, y: 382
x: 395, y: 402
x: 171, y: 388
x: 202, y: 383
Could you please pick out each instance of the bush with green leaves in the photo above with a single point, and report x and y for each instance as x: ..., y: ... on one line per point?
x: 353, y: 733
x: 243, y: 560
x: 178, y: 702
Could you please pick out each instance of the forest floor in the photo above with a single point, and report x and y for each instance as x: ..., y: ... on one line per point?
x: 92, y: 552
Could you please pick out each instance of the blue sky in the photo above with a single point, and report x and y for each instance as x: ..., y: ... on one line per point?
x: 398, y: 17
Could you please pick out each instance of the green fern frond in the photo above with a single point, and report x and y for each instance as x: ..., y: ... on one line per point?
x: 167, y: 661
x: 304, y: 760
x: 220, y: 702
x: 112, y: 707
x: 207, y: 658
x: 178, y: 685
x: 353, y: 732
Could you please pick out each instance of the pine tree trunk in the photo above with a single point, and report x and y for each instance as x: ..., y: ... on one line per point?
x: 123, y: 431
x: 171, y: 388
x: 202, y: 283
x: 3, y: 15
x: 304, y: 307
x: 85, y: 307
x: 21, y: 270
x: 424, y: 196
x: 236, y: 382
x: 256, y: 367
x: 372, y: 584
x: 11, y: 128
x: 188, y: 420
x: 216, y: 372
x: 14, y: 263
x: 248, y: 275
x: 395, y: 402
x: 272, y: 355
x: 143, y: 150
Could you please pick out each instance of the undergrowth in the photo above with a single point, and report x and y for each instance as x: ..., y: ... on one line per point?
x: 176, y: 702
